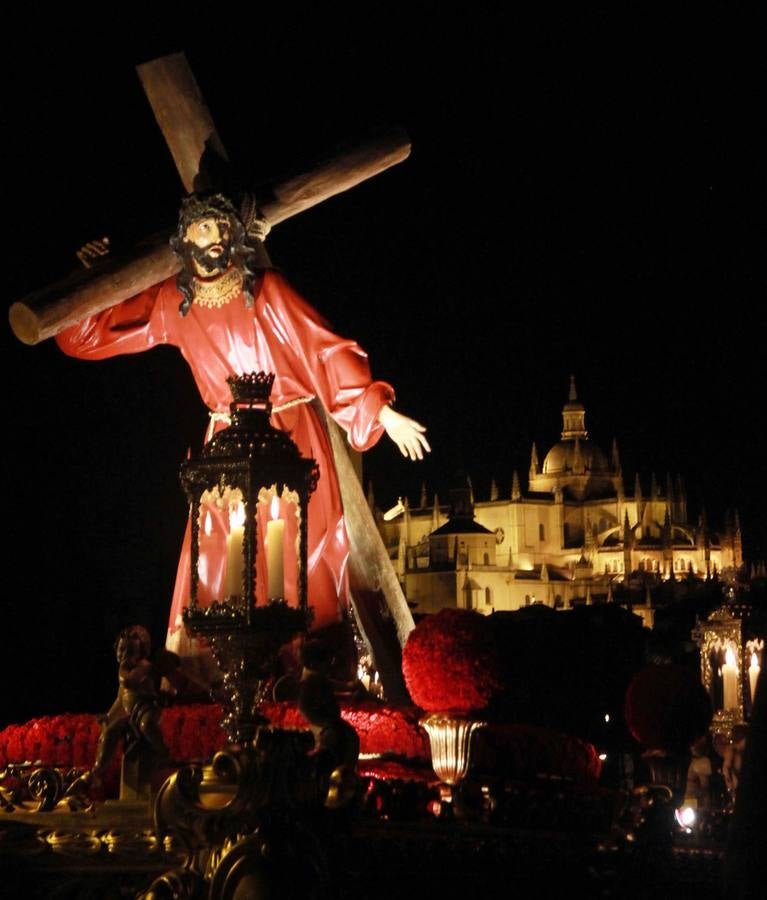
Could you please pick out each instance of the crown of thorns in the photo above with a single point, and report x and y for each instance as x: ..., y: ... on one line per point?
x: 205, y: 206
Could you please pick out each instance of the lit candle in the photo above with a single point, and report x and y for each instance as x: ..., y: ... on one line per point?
x: 275, y: 539
x: 730, y: 680
x: 363, y: 676
x: 234, y: 554
x: 753, y: 674
x: 203, y: 562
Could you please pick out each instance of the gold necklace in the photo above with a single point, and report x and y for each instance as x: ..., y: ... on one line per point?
x: 218, y: 291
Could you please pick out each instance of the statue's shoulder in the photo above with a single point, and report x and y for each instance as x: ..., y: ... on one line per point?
x: 274, y: 281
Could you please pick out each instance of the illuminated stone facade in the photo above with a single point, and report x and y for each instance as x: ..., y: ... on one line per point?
x: 573, y: 537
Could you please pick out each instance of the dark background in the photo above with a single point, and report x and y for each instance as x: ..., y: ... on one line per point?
x: 585, y: 195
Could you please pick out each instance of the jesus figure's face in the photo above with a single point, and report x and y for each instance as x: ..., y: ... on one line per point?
x: 209, y: 244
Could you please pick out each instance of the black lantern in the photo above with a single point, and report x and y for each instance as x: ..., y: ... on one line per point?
x: 249, y: 495
x: 731, y: 657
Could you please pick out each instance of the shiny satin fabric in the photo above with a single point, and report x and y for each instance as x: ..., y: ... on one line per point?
x: 282, y: 334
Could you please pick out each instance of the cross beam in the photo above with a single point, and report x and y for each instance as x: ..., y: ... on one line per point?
x: 188, y: 127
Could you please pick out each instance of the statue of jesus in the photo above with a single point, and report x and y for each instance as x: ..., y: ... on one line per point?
x: 229, y: 316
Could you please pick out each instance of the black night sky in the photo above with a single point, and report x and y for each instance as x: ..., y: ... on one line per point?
x: 585, y: 195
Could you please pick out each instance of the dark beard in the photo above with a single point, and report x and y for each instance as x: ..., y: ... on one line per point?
x: 211, y: 265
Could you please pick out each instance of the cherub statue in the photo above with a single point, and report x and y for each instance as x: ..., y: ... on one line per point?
x: 135, y: 714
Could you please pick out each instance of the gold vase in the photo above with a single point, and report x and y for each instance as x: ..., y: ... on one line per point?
x: 450, y: 739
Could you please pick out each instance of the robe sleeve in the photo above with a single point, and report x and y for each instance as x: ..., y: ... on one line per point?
x: 136, y: 324
x: 336, y: 368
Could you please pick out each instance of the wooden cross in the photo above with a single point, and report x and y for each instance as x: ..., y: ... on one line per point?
x: 190, y: 133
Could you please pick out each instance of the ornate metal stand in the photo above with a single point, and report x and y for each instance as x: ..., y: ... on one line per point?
x: 247, y: 821
x: 450, y: 739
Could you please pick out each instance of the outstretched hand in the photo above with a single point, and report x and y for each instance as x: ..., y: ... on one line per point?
x: 406, y: 433
x: 89, y: 253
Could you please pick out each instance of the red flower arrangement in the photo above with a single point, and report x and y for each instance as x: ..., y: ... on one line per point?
x: 527, y: 751
x: 381, y: 729
x: 190, y: 732
x: 667, y: 707
x: 450, y: 662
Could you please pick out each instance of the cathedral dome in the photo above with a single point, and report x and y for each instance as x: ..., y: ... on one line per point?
x: 561, y: 458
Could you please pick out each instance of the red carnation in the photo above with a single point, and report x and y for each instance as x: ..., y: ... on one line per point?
x: 450, y: 662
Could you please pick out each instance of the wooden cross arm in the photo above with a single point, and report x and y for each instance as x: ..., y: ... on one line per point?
x: 46, y: 312
x: 350, y: 167
x: 85, y: 292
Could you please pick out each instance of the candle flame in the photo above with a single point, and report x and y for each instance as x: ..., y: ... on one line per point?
x: 236, y: 515
x: 729, y: 658
x: 275, y: 507
x: 685, y: 816
x: 208, y: 525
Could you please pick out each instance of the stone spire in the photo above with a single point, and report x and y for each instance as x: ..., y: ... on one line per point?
x: 516, y: 493
x: 666, y: 532
x: 670, y: 496
x: 589, y: 540
x: 493, y: 490
x: 435, y: 513
x: 533, y: 462
x: 654, y: 491
x: 462, y: 499
x: 628, y: 545
x: 615, y: 458
x: 573, y: 416
x: 424, y: 501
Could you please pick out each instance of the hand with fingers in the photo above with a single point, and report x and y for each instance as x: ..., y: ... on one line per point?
x: 89, y: 253
x: 406, y: 433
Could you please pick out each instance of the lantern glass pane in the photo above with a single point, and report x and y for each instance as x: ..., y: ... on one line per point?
x: 277, y: 563
x: 220, y: 563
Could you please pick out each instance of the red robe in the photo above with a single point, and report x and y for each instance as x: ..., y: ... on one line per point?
x: 282, y: 334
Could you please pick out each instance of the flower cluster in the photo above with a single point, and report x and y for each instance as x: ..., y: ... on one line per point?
x: 381, y: 729
x: 667, y: 707
x: 192, y: 732
x: 450, y: 662
x: 63, y: 740
x: 524, y: 752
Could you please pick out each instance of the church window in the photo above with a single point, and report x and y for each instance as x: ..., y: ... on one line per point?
x: 558, y: 604
x: 486, y: 560
x: 641, y: 565
x: 541, y: 532
x: 488, y: 597
x: 527, y: 599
